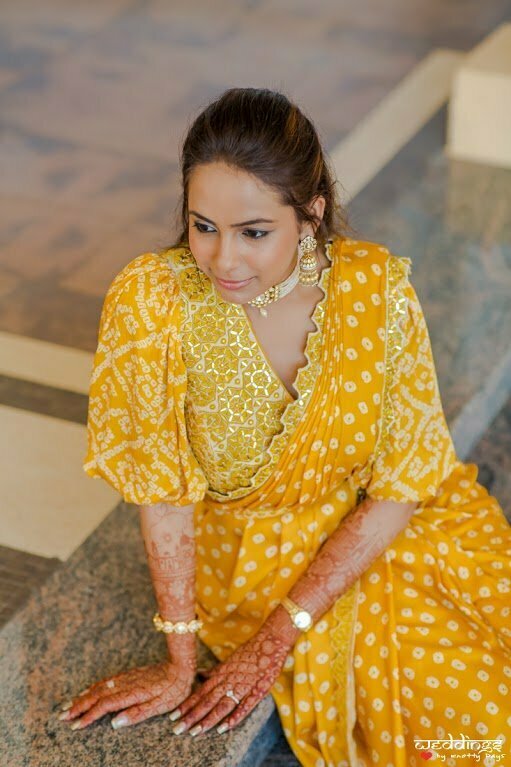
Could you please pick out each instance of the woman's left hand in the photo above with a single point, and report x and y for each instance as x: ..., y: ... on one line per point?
x: 249, y: 674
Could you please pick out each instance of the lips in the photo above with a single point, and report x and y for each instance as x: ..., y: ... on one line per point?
x: 233, y: 284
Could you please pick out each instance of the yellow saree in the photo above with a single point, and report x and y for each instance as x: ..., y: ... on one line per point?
x: 185, y: 408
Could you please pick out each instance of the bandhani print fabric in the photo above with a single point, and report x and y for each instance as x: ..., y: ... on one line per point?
x: 185, y: 408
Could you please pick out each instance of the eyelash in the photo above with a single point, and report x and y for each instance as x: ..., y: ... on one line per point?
x: 261, y: 232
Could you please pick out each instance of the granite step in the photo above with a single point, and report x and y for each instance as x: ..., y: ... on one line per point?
x: 20, y: 574
x: 492, y: 455
x: 281, y: 754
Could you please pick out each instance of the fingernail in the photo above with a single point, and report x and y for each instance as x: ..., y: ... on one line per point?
x: 67, y: 705
x: 179, y: 728
x: 84, y: 692
x: 222, y: 728
x: 64, y: 715
x: 121, y: 721
x: 76, y: 725
x: 175, y: 715
x: 195, y: 730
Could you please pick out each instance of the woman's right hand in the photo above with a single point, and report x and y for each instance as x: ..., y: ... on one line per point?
x: 139, y: 694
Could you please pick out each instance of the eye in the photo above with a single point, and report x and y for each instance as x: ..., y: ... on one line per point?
x: 201, y: 227
x: 254, y: 232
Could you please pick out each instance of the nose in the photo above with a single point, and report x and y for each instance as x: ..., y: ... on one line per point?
x: 226, y: 260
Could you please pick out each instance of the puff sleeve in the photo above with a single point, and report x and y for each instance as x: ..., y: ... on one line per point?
x: 136, y: 429
x: 414, y: 452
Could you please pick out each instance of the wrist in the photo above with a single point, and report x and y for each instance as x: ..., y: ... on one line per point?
x: 182, y: 650
x: 280, y: 624
x: 186, y: 667
x: 185, y: 673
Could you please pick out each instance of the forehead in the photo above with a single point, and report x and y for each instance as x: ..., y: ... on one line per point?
x: 219, y: 186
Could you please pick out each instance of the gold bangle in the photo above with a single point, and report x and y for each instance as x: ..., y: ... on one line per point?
x: 176, y: 628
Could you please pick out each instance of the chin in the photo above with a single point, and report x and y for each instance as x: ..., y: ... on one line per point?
x: 231, y: 297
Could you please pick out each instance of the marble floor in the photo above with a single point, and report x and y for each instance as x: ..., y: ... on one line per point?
x: 94, y: 100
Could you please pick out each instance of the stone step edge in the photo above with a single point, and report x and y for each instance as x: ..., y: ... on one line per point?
x: 478, y: 413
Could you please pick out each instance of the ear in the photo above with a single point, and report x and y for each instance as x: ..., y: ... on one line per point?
x: 316, y: 207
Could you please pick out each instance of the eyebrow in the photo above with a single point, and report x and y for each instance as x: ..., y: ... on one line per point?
x: 243, y: 223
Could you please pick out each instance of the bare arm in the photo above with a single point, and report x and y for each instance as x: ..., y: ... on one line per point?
x: 361, y: 537
x: 169, y: 541
x: 139, y: 693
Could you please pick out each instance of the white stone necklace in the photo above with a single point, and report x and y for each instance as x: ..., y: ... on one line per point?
x: 276, y: 291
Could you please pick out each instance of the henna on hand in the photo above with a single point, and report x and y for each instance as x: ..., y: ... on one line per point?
x: 139, y: 693
x: 252, y: 669
x: 360, y: 538
x: 249, y: 673
x: 169, y: 541
x: 168, y: 534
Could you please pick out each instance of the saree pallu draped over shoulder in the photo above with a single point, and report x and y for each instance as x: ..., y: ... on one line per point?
x: 254, y: 546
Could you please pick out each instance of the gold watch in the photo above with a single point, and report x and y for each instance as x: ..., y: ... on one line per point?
x: 301, y: 618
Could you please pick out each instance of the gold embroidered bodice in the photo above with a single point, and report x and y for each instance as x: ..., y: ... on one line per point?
x: 183, y: 402
x: 238, y: 412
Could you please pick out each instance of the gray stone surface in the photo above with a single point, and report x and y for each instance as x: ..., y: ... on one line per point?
x: 21, y: 572
x: 492, y: 455
x: 90, y: 618
x: 269, y: 742
x: 281, y: 755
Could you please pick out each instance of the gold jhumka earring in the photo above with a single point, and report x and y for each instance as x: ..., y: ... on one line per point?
x: 309, y: 264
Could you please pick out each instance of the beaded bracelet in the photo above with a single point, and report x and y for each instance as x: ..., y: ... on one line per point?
x: 176, y: 628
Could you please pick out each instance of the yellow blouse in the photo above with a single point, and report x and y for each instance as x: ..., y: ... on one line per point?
x: 184, y: 403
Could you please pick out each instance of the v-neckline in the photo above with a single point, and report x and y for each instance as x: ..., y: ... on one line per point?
x: 323, y: 283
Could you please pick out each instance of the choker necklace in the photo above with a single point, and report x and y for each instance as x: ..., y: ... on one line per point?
x: 276, y: 291
x: 305, y: 272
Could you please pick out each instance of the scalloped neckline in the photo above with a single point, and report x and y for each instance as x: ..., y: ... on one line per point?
x: 304, y: 383
x: 323, y: 283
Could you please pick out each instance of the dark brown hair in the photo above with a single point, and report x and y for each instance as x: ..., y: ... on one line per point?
x: 263, y: 133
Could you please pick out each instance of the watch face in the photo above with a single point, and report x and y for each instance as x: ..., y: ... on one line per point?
x: 302, y: 620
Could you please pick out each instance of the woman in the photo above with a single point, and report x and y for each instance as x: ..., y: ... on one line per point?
x: 290, y: 443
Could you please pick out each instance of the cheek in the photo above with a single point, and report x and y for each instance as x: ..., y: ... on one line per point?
x: 202, y: 251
